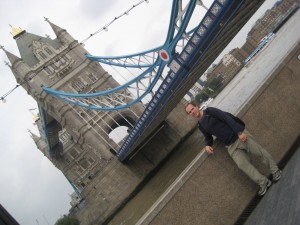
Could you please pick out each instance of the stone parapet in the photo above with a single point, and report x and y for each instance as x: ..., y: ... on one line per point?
x: 217, y: 192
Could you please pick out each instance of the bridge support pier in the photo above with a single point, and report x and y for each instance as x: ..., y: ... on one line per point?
x: 164, y: 140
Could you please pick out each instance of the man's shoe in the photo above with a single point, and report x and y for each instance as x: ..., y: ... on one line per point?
x: 264, y: 188
x: 276, y: 176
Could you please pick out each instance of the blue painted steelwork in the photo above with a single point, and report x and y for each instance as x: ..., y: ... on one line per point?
x: 76, y: 189
x: 214, y: 21
x: 156, y: 67
x: 133, y: 60
x: 172, y: 40
x: 44, y: 127
x: 126, y: 59
x: 53, y: 143
x: 83, y: 99
x: 180, y: 63
x: 75, y: 98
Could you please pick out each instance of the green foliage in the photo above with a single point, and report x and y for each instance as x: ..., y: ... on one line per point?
x: 211, y: 89
x: 215, y: 83
x: 202, y: 96
x: 67, y: 221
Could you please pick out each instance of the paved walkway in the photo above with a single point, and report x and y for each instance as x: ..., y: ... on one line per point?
x: 281, y: 204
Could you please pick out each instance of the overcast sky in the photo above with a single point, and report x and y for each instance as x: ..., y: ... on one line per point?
x: 32, y: 189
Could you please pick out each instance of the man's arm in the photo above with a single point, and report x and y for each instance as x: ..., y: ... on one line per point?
x: 209, y: 149
x: 208, y: 139
x: 242, y: 136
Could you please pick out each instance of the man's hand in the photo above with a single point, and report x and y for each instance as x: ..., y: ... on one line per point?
x: 243, y: 137
x: 209, y: 149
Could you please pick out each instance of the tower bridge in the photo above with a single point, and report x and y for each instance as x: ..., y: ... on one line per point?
x: 199, y: 47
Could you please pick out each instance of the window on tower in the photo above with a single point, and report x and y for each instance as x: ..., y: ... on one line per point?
x: 74, y: 153
x: 49, y: 69
x: 92, y: 77
x: 42, y: 55
x: 78, y: 85
x: 49, y: 52
x: 84, y: 164
x: 90, y: 160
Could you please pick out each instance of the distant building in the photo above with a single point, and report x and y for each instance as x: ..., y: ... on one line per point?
x: 268, y: 23
x: 232, y: 62
x: 198, y: 86
x: 228, y: 66
x: 230, y: 59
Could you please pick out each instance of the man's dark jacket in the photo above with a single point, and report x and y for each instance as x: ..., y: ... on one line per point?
x: 223, y: 125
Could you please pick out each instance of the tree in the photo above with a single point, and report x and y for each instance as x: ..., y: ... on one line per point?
x: 215, y: 83
x: 202, y: 96
x: 67, y: 220
x: 210, y: 90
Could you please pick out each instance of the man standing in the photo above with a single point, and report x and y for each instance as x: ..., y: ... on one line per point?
x: 231, y: 131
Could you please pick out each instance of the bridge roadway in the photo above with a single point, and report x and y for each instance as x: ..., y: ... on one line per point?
x: 248, y: 8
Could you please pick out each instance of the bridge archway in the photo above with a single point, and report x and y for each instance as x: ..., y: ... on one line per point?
x: 119, y: 126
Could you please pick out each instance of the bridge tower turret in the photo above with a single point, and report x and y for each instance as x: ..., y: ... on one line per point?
x: 77, y: 138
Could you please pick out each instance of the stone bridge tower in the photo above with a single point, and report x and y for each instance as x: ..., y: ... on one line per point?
x: 75, y: 139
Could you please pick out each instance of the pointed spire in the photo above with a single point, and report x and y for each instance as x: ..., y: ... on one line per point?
x: 34, y: 137
x: 39, y: 142
x: 61, y: 33
x: 57, y: 30
x: 13, y: 63
x: 12, y: 58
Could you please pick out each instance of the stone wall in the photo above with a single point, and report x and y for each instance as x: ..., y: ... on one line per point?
x: 218, y: 192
